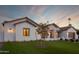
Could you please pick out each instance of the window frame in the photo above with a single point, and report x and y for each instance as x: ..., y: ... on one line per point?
x: 25, y: 34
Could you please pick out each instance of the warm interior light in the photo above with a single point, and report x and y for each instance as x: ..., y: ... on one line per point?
x: 26, y: 31
x: 10, y: 30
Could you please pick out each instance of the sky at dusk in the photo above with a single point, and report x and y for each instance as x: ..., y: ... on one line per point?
x: 52, y: 13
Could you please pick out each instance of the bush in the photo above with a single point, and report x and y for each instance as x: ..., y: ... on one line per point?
x: 76, y: 40
x: 71, y: 40
x: 61, y: 39
x: 66, y: 39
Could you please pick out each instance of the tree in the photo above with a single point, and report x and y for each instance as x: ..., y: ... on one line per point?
x: 43, y: 31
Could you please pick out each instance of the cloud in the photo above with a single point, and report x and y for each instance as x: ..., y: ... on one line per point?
x: 43, y: 13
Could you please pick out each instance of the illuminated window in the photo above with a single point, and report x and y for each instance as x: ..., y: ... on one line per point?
x: 26, y: 31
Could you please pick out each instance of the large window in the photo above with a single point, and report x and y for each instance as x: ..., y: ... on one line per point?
x: 26, y: 31
x: 71, y: 35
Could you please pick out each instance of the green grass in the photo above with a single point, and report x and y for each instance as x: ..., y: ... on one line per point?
x: 48, y: 47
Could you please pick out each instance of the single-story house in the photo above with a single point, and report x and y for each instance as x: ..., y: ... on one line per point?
x: 22, y: 29
x: 53, y: 31
x: 68, y: 32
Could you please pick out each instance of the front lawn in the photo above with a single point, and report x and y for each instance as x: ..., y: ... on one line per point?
x: 34, y: 47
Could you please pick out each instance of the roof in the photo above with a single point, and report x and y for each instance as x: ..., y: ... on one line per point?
x: 21, y: 20
x: 67, y: 27
x: 53, y: 25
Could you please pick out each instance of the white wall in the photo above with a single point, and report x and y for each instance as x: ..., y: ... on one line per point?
x: 64, y: 34
x: 7, y: 35
x: 72, y: 30
x: 19, y: 32
x: 55, y: 29
x: 52, y: 27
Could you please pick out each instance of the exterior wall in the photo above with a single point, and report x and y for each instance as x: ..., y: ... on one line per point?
x: 19, y: 32
x: 8, y: 36
x: 72, y: 30
x: 38, y: 37
x: 55, y: 37
x: 51, y: 27
x: 18, y: 35
x: 64, y: 34
x: 1, y: 33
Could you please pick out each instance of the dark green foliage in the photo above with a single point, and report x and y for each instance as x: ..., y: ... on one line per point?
x: 61, y: 39
x: 66, y: 39
x: 71, y: 40
x: 77, y: 40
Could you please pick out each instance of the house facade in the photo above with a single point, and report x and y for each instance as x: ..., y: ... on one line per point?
x: 53, y: 32
x: 68, y: 32
x: 23, y: 29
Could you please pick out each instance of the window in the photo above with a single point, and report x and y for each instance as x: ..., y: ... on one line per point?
x: 26, y: 31
x: 71, y: 35
x: 44, y: 34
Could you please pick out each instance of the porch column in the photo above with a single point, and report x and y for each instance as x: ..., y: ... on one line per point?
x: 76, y: 36
x: 48, y: 38
x: 67, y: 35
x: 55, y: 36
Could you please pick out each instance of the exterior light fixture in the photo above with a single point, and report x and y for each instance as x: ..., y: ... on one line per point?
x: 11, y: 30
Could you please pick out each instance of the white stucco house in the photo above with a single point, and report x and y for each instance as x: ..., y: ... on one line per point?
x: 22, y: 29
x: 68, y: 32
x: 53, y: 31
